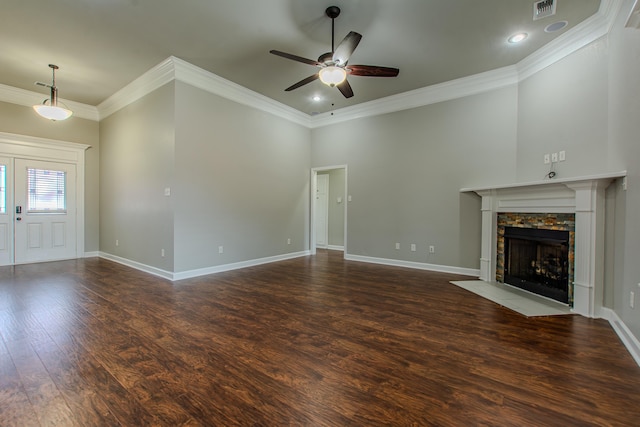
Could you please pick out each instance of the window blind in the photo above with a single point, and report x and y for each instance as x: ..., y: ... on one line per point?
x: 46, y: 190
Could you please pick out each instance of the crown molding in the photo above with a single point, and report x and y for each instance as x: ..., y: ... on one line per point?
x: 156, y: 77
x: 212, y: 83
x: 446, y: 91
x: 28, y: 98
x: 578, y: 37
x: 633, y: 21
x: 174, y: 68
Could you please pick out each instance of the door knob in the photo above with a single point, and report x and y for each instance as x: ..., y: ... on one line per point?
x: 19, y: 219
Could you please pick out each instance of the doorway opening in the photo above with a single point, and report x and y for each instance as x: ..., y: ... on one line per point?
x: 328, y: 224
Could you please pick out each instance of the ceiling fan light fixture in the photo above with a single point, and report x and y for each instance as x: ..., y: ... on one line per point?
x: 49, y: 109
x: 332, y: 75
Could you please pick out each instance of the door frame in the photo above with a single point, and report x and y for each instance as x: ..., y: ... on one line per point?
x: 34, y: 148
x: 312, y: 210
x: 326, y: 212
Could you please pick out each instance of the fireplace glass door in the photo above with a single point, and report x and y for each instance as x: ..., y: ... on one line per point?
x: 537, y: 260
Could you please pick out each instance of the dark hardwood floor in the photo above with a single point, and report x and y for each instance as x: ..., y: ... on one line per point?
x: 314, y: 341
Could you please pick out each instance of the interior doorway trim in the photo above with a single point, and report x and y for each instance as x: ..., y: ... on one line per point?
x: 35, y: 148
x: 312, y: 214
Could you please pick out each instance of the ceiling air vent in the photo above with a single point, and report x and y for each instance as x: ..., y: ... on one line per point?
x: 544, y: 8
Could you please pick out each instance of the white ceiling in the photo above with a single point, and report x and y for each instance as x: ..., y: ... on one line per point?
x: 102, y: 45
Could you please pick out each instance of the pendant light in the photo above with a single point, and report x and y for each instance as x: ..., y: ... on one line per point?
x: 49, y: 109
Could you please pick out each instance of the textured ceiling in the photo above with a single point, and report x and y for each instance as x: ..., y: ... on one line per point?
x: 102, y: 45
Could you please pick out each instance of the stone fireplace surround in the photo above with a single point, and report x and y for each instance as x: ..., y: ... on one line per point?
x: 583, y: 196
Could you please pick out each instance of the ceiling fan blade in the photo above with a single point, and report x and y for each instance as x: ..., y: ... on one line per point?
x: 372, y: 71
x: 346, y: 47
x: 345, y: 89
x: 303, y: 82
x: 296, y: 58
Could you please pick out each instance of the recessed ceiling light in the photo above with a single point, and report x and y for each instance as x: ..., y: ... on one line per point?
x: 556, y: 26
x: 517, y: 38
x: 316, y: 98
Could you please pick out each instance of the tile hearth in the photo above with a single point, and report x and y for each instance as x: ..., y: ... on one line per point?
x: 515, y: 299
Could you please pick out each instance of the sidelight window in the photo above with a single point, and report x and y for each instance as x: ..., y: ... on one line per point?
x: 3, y: 189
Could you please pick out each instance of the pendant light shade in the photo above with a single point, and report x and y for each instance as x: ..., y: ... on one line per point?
x: 49, y: 109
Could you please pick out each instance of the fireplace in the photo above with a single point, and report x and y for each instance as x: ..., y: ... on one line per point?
x: 537, y: 260
x: 536, y: 252
x: 581, y: 197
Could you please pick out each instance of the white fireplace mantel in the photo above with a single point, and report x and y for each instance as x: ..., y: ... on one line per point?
x: 584, y: 196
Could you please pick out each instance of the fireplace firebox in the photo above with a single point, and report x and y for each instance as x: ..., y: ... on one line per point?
x: 537, y: 260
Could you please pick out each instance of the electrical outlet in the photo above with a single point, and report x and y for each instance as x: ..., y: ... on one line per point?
x: 554, y: 157
x: 547, y: 159
x: 432, y: 249
x: 413, y: 247
x: 117, y: 242
x: 162, y: 253
x: 220, y: 249
x: 562, y: 156
x: 632, y: 296
x: 397, y: 245
x: 288, y: 241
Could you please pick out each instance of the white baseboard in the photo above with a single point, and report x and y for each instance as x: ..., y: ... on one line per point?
x: 237, y: 265
x: 335, y: 248
x: 138, y: 265
x: 200, y: 271
x: 624, y: 333
x: 91, y: 254
x: 417, y: 265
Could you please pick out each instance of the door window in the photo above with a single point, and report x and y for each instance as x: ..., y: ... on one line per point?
x: 46, y: 191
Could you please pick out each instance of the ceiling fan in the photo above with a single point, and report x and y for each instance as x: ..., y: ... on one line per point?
x: 334, y: 66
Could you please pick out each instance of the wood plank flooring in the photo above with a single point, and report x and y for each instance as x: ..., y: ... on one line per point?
x: 314, y: 341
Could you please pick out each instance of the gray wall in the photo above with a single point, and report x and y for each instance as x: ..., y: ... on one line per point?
x: 336, y: 210
x: 564, y: 107
x: 136, y: 165
x: 23, y: 120
x: 624, y: 142
x: 242, y: 182
x: 406, y: 170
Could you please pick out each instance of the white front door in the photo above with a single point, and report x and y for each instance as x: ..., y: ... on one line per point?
x: 322, y: 210
x: 44, y: 211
